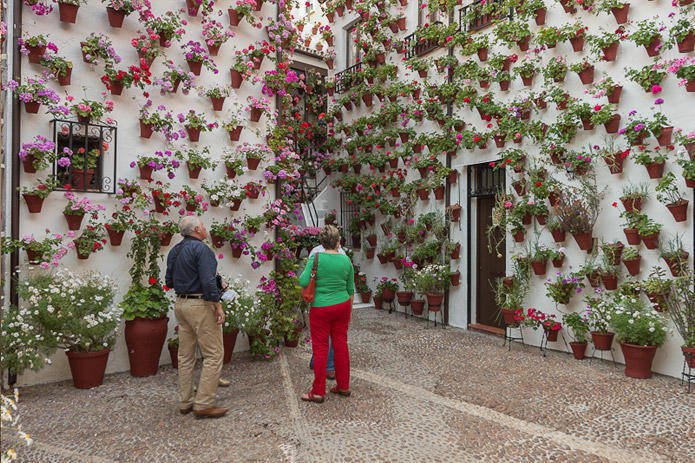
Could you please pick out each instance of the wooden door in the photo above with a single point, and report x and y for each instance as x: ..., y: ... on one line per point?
x: 488, y: 266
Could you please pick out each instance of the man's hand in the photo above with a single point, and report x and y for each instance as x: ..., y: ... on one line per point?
x: 219, y: 312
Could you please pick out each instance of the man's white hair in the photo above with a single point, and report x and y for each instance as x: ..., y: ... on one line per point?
x: 188, y: 224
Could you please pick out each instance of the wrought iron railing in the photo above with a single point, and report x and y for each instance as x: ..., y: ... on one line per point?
x: 415, y: 46
x: 346, y: 79
x: 472, y: 19
x: 82, y: 139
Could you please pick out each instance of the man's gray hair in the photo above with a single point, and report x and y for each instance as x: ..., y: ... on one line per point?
x: 188, y: 224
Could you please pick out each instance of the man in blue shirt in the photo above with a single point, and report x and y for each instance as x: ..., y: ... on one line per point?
x: 192, y: 271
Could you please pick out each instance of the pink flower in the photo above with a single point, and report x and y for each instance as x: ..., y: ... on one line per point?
x: 656, y: 89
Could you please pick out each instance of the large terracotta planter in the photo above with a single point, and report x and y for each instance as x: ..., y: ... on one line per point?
x: 578, y: 349
x: 229, y: 341
x: 638, y: 360
x: 434, y: 301
x: 88, y: 368
x: 145, y: 338
x: 602, y: 341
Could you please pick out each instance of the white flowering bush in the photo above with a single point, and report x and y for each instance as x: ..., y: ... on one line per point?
x: 23, y: 346
x: 9, y: 424
x: 239, y: 306
x: 433, y: 278
x: 636, y: 323
x: 71, y: 311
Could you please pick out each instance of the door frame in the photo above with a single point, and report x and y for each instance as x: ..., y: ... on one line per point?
x: 482, y: 181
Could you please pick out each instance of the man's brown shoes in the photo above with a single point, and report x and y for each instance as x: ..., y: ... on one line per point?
x: 186, y: 411
x: 212, y: 412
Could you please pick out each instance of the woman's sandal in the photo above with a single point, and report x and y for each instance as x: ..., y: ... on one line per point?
x: 310, y: 397
x: 335, y: 390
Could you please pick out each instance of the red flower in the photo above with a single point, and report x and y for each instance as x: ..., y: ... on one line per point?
x: 152, y: 281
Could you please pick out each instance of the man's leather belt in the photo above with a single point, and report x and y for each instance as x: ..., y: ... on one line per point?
x: 190, y: 296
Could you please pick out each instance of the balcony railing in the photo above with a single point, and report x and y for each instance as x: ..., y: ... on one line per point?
x: 479, y: 20
x: 346, y: 79
x: 416, y: 47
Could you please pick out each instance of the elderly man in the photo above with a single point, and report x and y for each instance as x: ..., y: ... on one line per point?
x: 192, y: 271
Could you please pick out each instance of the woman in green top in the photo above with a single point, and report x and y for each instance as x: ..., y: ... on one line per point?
x: 330, y: 314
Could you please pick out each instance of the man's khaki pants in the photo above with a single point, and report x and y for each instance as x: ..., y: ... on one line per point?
x: 197, y: 325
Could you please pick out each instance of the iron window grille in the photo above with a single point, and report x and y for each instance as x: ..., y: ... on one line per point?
x: 480, y: 20
x: 81, y: 138
x: 415, y: 46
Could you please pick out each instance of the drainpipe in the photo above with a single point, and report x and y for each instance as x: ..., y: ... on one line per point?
x: 468, y: 246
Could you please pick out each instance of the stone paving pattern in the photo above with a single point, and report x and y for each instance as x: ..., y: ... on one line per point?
x: 420, y: 394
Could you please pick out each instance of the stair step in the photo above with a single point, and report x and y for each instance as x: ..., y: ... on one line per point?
x: 362, y: 305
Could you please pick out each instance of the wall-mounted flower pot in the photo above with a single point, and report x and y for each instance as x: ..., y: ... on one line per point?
x: 146, y: 130
x: 632, y: 204
x: 664, y: 137
x: 68, y: 12
x: 577, y: 43
x: 35, y: 53
x: 687, y: 44
x: 585, y: 241
x: 613, y: 125
x: 677, y: 264
x: 638, y: 360
x: 455, y: 278
x: 632, y: 236
x: 32, y: 107
x: 539, y: 266
x: 438, y: 192
x: 650, y: 241
x: 568, y: 6
x: 217, y: 103
x: 370, y: 253
x: 116, y: 17
x: 587, y: 75
x: 559, y: 235
x: 527, y: 81
x: 633, y: 265
x: 652, y: 47
x: 193, y: 133
x: 611, y: 51
x: 195, y: 66
x: 679, y: 211
x: 237, y: 78
x: 655, y: 170
x: 620, y: 13
x: 115, y: 237
x: 166, y: 238
x: 610, y: 282
x: 557, y: 263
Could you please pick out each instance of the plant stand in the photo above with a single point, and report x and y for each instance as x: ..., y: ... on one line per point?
x: 508, y: 337
x: 688, y: 360
x: 441, y: 317
x: 593, y: 355
x: 544, y: 342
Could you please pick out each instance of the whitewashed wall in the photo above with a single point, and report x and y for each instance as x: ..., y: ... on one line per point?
x: 112, y: 260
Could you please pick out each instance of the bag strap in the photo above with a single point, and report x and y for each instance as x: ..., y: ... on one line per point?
x: 315, y: 266
x: 178, y: 251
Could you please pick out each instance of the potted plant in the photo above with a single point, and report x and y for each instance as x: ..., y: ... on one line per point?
x: 668, y: 194
x: 656, y: 288
x: 631, y: 259
x: 537, y: 319
x: 33, y: 92
x: 217, y: 95
x: 76, y: 208
x: 647, y: 77
x: 88, y: 110
x: 68, y: 9
x: 432, y: 280
x: 386, y: 287
x: 563, y: 286
x: 510, y: 292
x: 117, y: 10
x: 195, y: 123
x: 634, y: 195
x: 675, y: 255
x: 579, y: 330
x: 236, y: 301
x: 680, y: 305
x: 640, y: 331
x: 195, y: 159
x: 362, y: 288
x: 598, y: 315
x: 86, y: 324
x: 173, y: 346
x: 648, y: 35
x: 35, y: 195
x: 59, y: 66
x: 197, y: 57
x: 37, y: 155
x: 577, y: 211
x: 45, y: 252
x: 648, y: 231
x: 98, y: 45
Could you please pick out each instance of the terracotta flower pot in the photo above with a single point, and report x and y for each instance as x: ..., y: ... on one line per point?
x: 687, y: 44
x: 74, y: 221
x: 655, y: 170
x: 539, y: 267
x: 388, y: 295
x: 638, y: 360
x: 35, y: 53
x: 32, y: 107
x: 229, y: 341
x: 620, y: 13
x: 68, y: 12
x: 378, y: 302
x: 577, y: 43
x: 551, y: 334
x: 585, y: 241
x: 146, y: 130
x: 417, y: 306
x: 610, y: 52
x: 578, y: 349
x: 455, y: 278
x: 217, y: 103
x: 88, y: 368
x: 404, y: 297
x: 559, y: 235
x: 610, y: 282
x: 689, y: 353
x: 34, y: 202
x: 145, y: 338
x: 680, y: 210
x: 650, y: 241
x: 193, y: 172
x: 602, y: 341
x: 115, y: 237
x: 237, y: 78
x: 632, y: 236
x: 366, y: 297
x: 651, y: 47
x: 174, y: 356
x: 633, y: 265
x: 434, y: 301
x: 587, y: 75
x: 193, y: 133
x: 613, y: 125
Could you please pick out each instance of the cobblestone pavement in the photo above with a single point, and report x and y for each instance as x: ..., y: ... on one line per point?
x: 420, y: 394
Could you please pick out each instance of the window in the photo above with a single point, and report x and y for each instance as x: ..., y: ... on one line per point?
x: 309, y: 6
x: 92, y: 164
x: 352, y: 46
x: 429, y: 17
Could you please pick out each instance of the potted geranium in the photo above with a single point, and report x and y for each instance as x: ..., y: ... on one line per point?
x: 159, y: 120
x: 195, y: 123
x: 97, y: 45
x: 243, y: 9
x: 257, y: 107
x: 196, y: 57
x: 76, y: 208
x: 640, y: 331
x: 432, y: 280
x: 35, y: 195
x: 81, y: 166
x: 160, y: 160
x: 34, y: 47
x: 88, y: 110
x: 647, y: 77
x: 648, y: 35
x: 117, y: 10
x: 538, y: 319
x: 387, y: 288
x: 68, y: 9
x: 254, y: 154
x: 173, y: 77
x: 85, y: 324
x: 91, y: 240
x: 37, y: 155
x: 215, y: 34
x: 168, y: 27
x: 33, y: 92
x: 45, y: 252
x: 195, y: 159
x: 668, y: 194
x: 563, y: 286
x: 59, y: 66
x: 217, y: 95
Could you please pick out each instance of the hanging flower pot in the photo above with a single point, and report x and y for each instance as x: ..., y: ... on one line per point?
x: 620, y: 13
x: 74, y: 220
x: 34, y: 202
x: 557, y: 263
x: 578, y: 349
x: 68, y: 12
x: 632, y: 236
x: 677, y: 264
x: 195, y: 66
x: 166, y: 238
x: 193, y: 133
x: 655, y: 170
x: 88, y: 368
x: 539, y: 266
x: 615, y: 163
x: 438, y: 192
x: 577, y: 43
x: 455, y: 278
x: 145, y: 172
x: 64, y: 79
x: 217, y: 103
x: 568, y: 6
x: 115, y: 237
x: 193, y: 171
x: 519, y: 236
x: 632, y: 204
x: 610, y: 52
x: 613, y: 125
x: 610, y: 282
x: 35, y: 53
x: 651, y: 241
x: 256, y: 114
x: 434, y: 301
x: 687, y: 44
x: 633, y: 265
x: 638, y: 360
x: 423, y: 193
x: 116, y: 17
x: 559, y: 235
x: 585, y: 241
x: 614, y: 96
x: 664, y: 137
x: 146, y: 130
x: 32, y: 107
x: 237, y: 78
x: 587, y: 75
x: 651, y: 47
x: 679, y: 211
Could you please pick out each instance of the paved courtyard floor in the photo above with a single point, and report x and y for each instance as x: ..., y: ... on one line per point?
x: 420, y: 394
